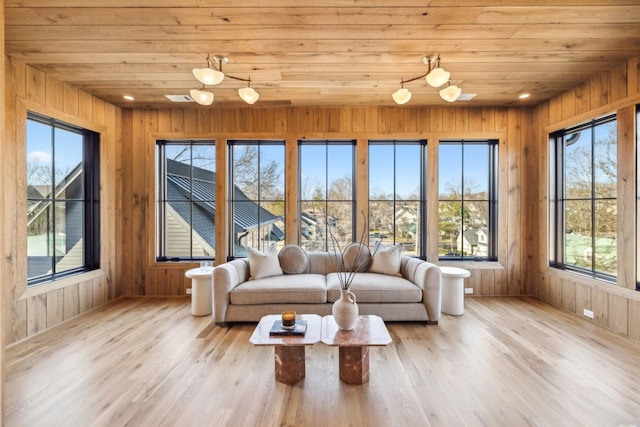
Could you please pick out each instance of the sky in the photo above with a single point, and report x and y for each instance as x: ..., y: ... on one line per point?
x: 403, y: 164
x: 40, y: 152
x: 318, y: 162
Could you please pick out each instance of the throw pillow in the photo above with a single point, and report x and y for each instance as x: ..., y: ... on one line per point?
x: 293, y: 259
x: 357, y: 257
x: 264, y: 264
x: 386, y: 260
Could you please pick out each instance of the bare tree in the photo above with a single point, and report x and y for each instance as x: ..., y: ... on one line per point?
x: 264, y: 179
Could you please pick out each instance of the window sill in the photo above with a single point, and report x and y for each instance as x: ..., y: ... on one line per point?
x: 61, y: 283
x: 472, y: 265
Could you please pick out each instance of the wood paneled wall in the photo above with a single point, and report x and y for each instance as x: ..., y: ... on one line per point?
x: 141, y: 275
x: 3, y: 261
x: 615, y: 306
x: 29, y: 311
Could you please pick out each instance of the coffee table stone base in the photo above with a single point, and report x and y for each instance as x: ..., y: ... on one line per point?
x: 354, y: 364
x: 289, y: 363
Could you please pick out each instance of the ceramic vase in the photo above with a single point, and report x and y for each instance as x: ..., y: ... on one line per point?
x: 345, y: 311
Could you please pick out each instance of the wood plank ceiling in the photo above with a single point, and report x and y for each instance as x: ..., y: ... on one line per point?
x: 335, y: 52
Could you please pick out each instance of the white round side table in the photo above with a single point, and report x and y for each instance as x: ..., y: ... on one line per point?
x: 201, y: 290
x: 453, y: 290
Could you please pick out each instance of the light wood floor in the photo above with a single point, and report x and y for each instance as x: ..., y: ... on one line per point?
x: 148, y: 362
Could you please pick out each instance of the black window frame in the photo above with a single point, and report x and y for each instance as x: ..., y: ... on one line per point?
x: 90, y: 201
x: 161, y: 199
x: 422, y: 202
x: 558, y: 198
x: 493, y: 197
x: 232, y: 194
x: 328, y: 142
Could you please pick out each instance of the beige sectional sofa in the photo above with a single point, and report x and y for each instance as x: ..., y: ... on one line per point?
x: 309, y: 283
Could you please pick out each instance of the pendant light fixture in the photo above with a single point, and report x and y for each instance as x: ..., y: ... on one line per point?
x: 202, y: 97
x: 209, y: 75
x: 248, y: 94
x: 436, y: 76
x: 401, y: 96
x: 213, y: 75
x: 450, y: 93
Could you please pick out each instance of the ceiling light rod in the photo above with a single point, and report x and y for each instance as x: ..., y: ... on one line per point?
x: 426, y: 60
x: 220, y: 60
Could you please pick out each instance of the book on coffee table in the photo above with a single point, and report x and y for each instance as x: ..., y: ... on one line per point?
x: 298, y: 329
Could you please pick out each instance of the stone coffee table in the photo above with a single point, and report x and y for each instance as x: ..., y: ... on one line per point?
x: 289, y: 350
x: 354, y: 345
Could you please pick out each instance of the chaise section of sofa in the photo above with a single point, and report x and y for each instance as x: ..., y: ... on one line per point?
x: 413, y: 294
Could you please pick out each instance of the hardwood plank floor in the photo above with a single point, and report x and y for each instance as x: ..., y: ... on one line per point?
x: 148, y: 362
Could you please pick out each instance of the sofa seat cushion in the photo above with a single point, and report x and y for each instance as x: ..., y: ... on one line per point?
x: 290, y: 288
x: 376, y: 288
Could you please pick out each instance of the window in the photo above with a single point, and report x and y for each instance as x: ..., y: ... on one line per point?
x: 185, y: 213
x: 396, y: 194
x: 257, y: 195
x: 583, y: 208
x: 63, y: 188
x: 327, y: 194
x: 638, y: 198
x: 468, y: 200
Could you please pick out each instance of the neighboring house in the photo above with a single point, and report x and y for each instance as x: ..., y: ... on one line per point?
x: 309, y: 226
x: 474, y: 241
x: 68, y: 251
x: 251, y: 221
x: 406, y: 219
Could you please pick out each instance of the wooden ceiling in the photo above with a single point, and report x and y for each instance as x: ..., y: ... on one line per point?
x: 334, y: 53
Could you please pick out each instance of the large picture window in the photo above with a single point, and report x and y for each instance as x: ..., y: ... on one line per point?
x: 63, y: 189
x: 396, y: 194
x: 185, y: 197
x: 256, y: 195
x: 583, y: 198
x: 327, y: 194
x: 468, y: 200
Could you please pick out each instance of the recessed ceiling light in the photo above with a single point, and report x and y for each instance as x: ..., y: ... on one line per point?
x: 129, y: 98
x: 523, y: 96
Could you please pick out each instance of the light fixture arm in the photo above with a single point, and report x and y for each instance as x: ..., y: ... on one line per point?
x: 403, y: 82
x: 240, y: 79
x: 426, y: 60
x: 217, y: 59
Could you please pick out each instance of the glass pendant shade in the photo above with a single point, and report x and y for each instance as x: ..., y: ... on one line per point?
x: 437, y: 77
x: 401, y: 96
x: 208, y: 76
x: 450, y: 93
x: 202, y: 97
x: 248, y: 95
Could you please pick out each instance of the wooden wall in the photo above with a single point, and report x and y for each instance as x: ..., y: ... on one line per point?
x: 3, y: 261
x: 141, y: 275
x: 616, y: 307
x: 29, y: 311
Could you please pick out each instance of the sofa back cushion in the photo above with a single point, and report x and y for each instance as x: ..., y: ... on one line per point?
x: 319, y: 263
x: 386, y: 260
x: 264, y: 264
x: 357, y: 257
x: 293, y: 259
